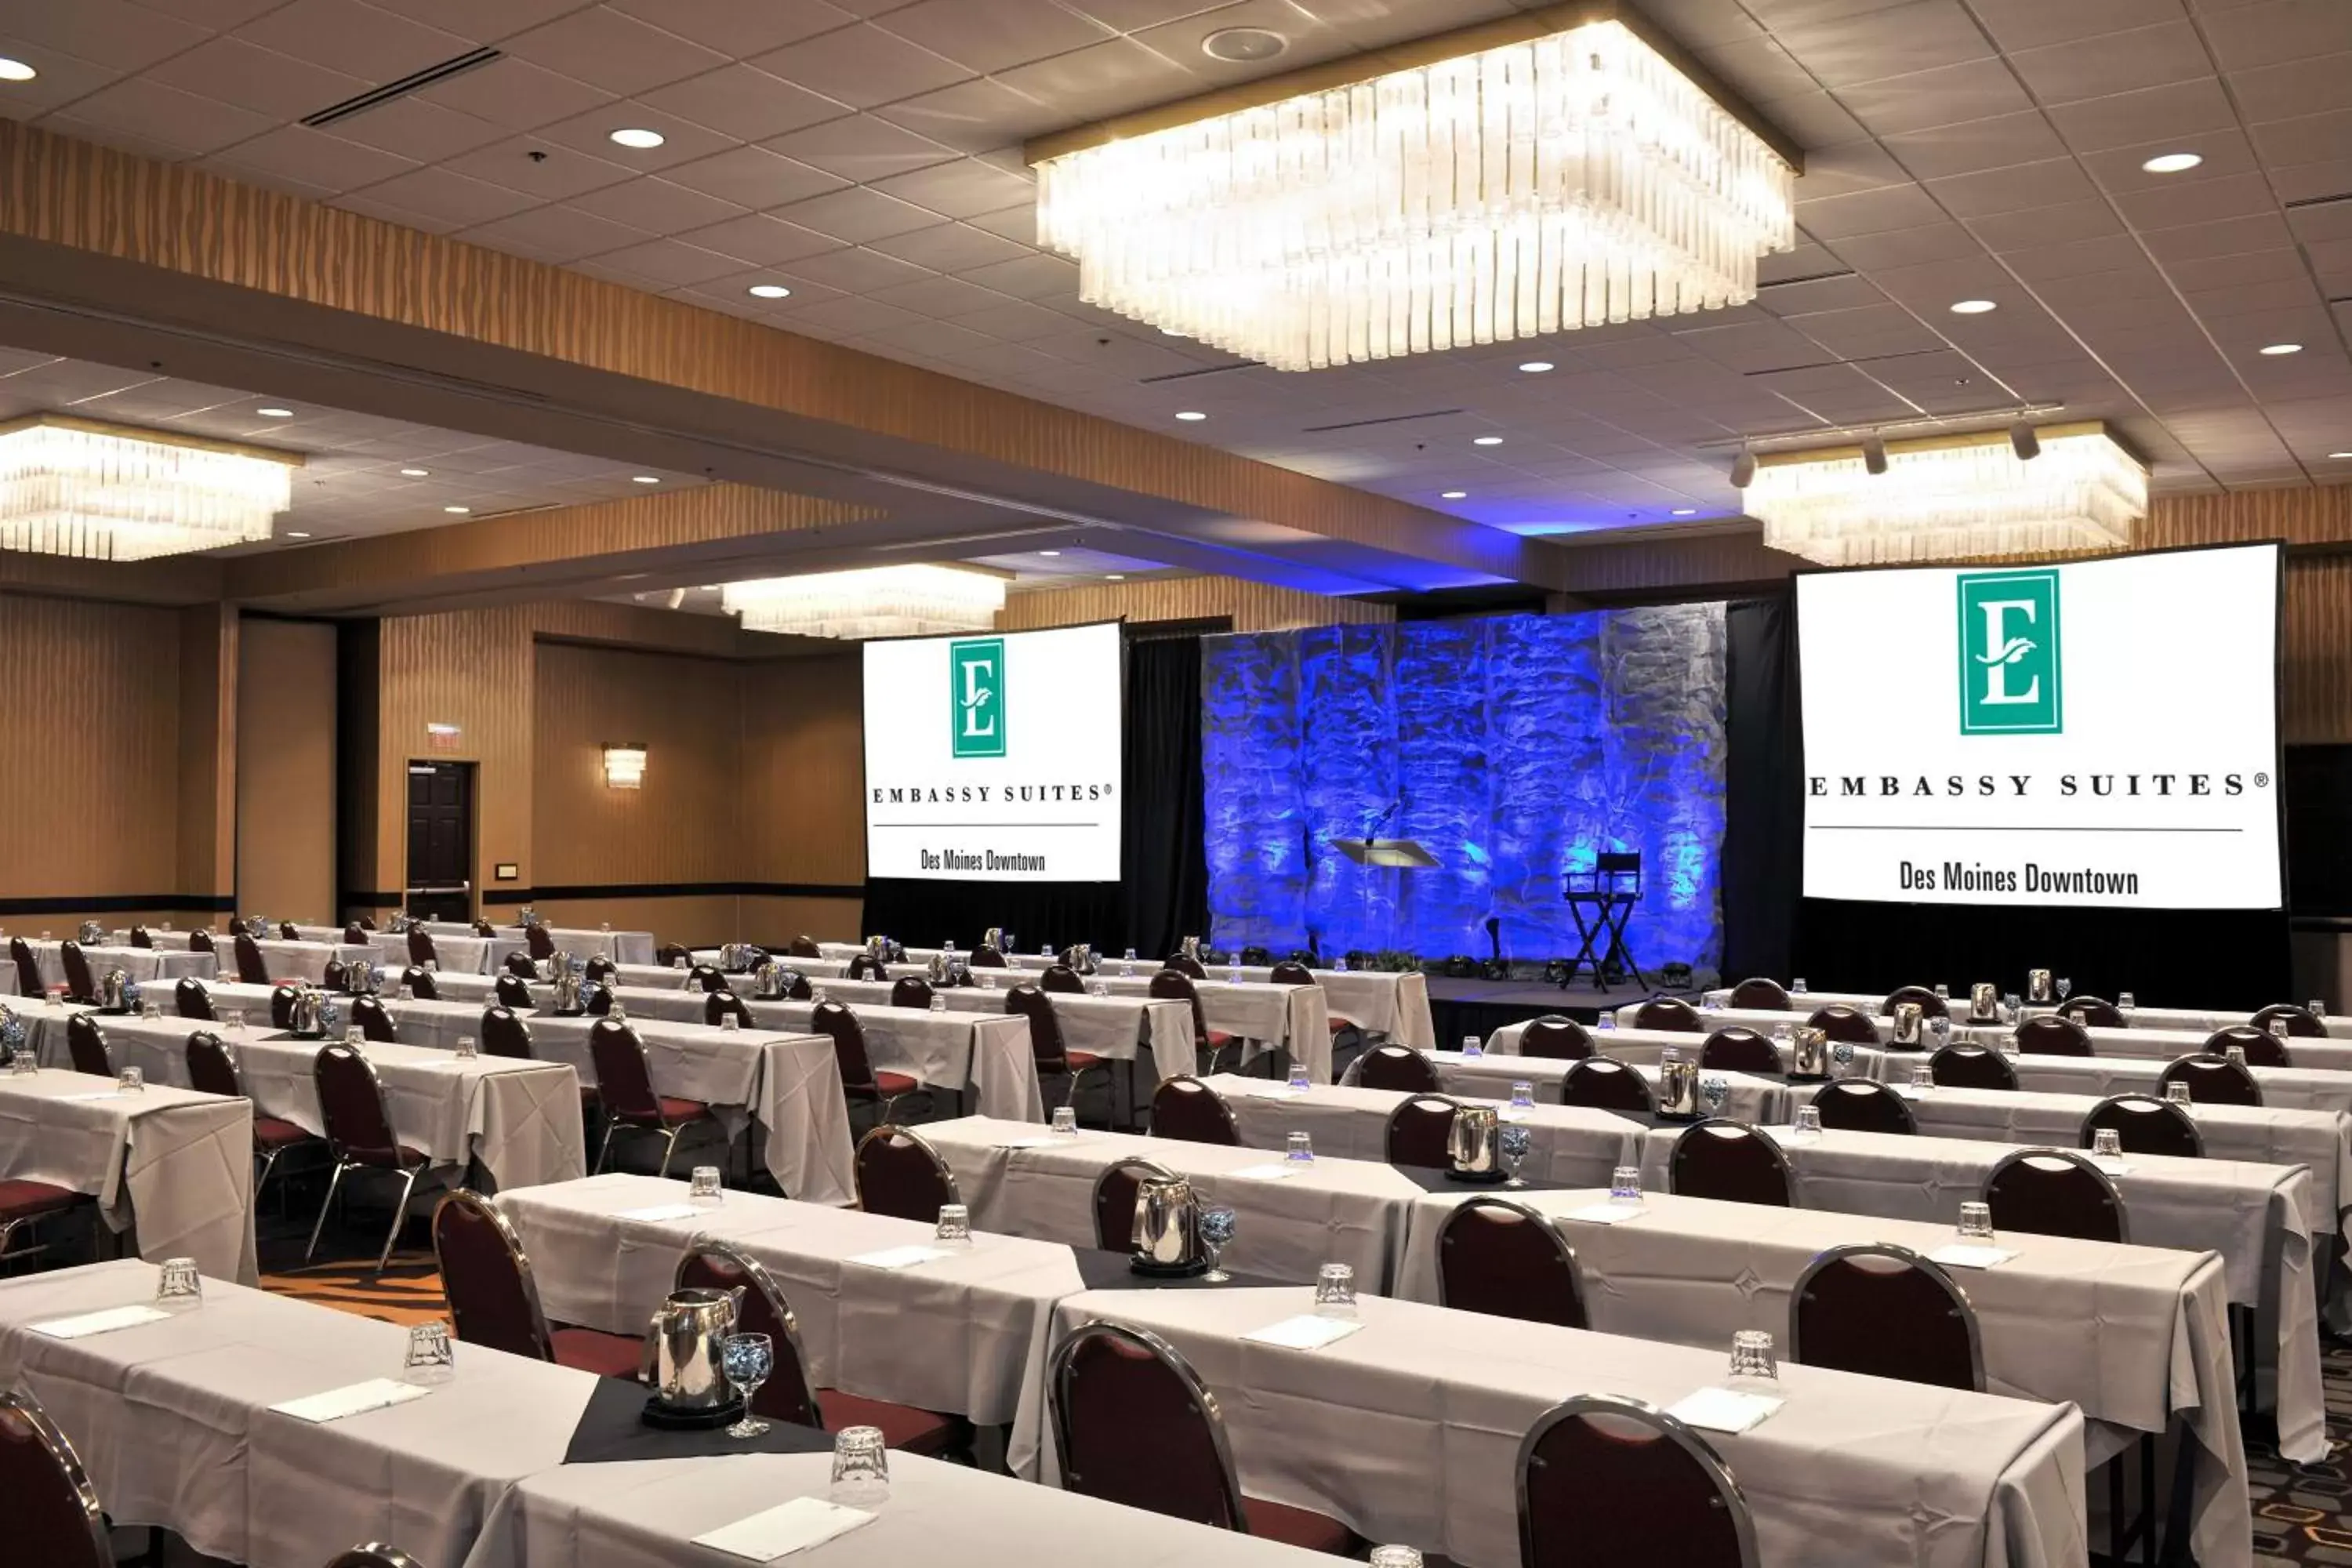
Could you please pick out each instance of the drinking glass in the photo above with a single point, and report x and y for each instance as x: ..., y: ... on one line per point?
x: 1976, y: 1223
x: 820, y: 997
x: 1922, y: 1076
x: 1232, y: 975
x: 1065, y: 1119
x: 1339, y: 963
x: 1098, y: 988
x: 955, y: 1226
x: 747, y: 1359
x: 430, y: 1357
x: 861, y: 1467
x: 466, y: 1049
x: 703, y: 1190
x: 23, y: 1063
x: 1216, y: 1234
x: 2316, y: 1007
x: 1751, y: 1356
x: 2177, y: 1093
x: 148, y: 1008
x: 1395, y: 1557
x: 1625, y: 1184
x: 2106, y: 1144
x: 1334, y: 1291
x: 729, y: 1021
x: 2278, y: 1028
x: 1607, y: 1020
x: 2235, y: 1052
x: 178, y: 1286
x: 2064, y: 987
x: 1523, y: 1097
x: 236, y: 1018
x: 1300, y: 1148
x: 1126, y: 966
x: 1943, y: 991
x: 1472, y: 1046
x: 1783, y: 1035
x: 2124, y: 1002
x: 1809, y: 1122
x: 987, y: 981
x: 680, y: 962
x: 354, y: 1036
x: 1299, y: 1080
x: 1797, y: 987
x: 1513, y: 1141
x: 938, y: 1004
x: 131, y: 1080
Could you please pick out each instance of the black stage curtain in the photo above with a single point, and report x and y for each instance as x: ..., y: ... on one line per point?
x: 2219, y: 958
x: 1164, y: 893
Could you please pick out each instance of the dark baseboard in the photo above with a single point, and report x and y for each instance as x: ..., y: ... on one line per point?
x: 117, y: 903
x: 676, y: 890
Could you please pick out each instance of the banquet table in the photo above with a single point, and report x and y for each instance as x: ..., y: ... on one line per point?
x: 173, y: 1164
x: 2254, y: 1216
x: 143, y: 964
x: 1746, y: 1097
x: 1119, y: 1027
x: 1293, y: 1219
x: 787, y: 1083
x: 173, y: 1421
x: 620, y: 946
x: 2283, y: 1089
x: 1642, y: 1047
x: 461, y: 987
x: 456, y: 952
x: 303, y: 960
x: 2147, y: 1044
x: 521, y: 1120
x: 1409, y: 1431
x: 1567, y: 1144
x: 2132, y: 1335
x: 2202, y: 1020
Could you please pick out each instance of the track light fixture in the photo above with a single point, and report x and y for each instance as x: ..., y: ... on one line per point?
x: 2024, y: 441
x: 1743, y: 470
x: 1874, y: 454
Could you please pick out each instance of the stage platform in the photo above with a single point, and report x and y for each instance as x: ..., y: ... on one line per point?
x: 1459, y: 1007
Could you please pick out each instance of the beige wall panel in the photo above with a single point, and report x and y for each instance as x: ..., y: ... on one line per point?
x: 286, y: 769
x: 703, y: 920
x: 777, y: 921
x: 472, y: 670
x: 1251, y: 606
x: 804, y: 767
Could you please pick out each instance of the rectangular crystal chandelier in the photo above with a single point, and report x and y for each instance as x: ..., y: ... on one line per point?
x: 1950, y: 498
x: 871, y: 602
x: 1551, y: 171
x: 109, y: 492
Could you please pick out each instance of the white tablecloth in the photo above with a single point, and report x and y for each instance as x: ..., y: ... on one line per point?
x: 620, y: 946
x: 144, y: 965
x: 1744, y: 1096
x: 2200, y: 1020
x: 2133, y: 1335
x: 299, y: 960
x: 1119, y: 1027
x: 456, y: 952
x: 1566, y: 1142
x: 176, y: 1164
x: 1409, y: 1431
x: 1642, y: 1047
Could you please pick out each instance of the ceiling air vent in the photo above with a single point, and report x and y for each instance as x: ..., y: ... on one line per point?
x: 457, y: 65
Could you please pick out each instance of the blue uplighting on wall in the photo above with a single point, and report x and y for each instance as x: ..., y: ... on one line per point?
x: 1513, y: 747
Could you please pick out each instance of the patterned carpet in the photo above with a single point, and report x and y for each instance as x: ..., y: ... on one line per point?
x: 2303, y: 1514
x: 408, y: 1292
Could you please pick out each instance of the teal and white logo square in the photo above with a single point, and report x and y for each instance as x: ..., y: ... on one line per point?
x: 2010, y: 681
x: 976, y: 671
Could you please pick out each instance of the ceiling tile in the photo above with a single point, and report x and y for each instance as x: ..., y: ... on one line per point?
x: 1016, y: 321
x: 863, y: 149
x: 975, y: 116
x: 1974, y: 145
x: 2116, y: 62
x: 103, y: 32
x: 483, y: 21
x: 1870, y: 211
x: 516, y: 94
x: 1376, y: 24
x: 1029, y: 278
x: 413, y: 129
x: 754, y: 177
x: 344, y: 35
x: 1975, y: 90
x: 1848, y: 291
x: 2031, y: 24
x: 316, y: 159
x: 942, y: 297
x: 2151, y: 114
x: 2281, y: 31
x: 2313, y: 86
x: 858, y: 215
x: 1908, y: 246
x: 1105, y: 79
x: 2198, y: 201
x: 2051, y: 183
x: 861, y: 66
x: 739, y: 28
x: 261, y: 81
x: 1019, y: 224
x: 1896, y: 41
x: 992, y: 37
x: 844, y: 318
x: 744, y: 103
x: 2327, y: 181
x: 1758, y: 69
x: 656, y: 205
x: 2267, y: 232
x: 2120, y: 168
x: 561, y: 172
x: 144, y: 108
x: 683, y: 141
x: 2312, y: 138
x: 450, y: 197
x: 2036, y: 228
x: 216, y: 16
x: 761, y: 240
x: 671, y: 262
x: 1812, y: 120
x: 961, y: 189
x: 855, y: 270
x: 950, y: 248
x: 1311, y: 40
x: 557, y: 233
x: 1842, y: 171
x: 614, y: 50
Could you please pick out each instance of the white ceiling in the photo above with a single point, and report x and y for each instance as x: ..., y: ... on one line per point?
x: 864, y: 153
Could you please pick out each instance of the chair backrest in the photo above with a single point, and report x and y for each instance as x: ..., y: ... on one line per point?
x: 2048, y: 1035
x: 1765, y: 995
x: 848, y: 1037
x: 982, y: 957
x: 2145, y: 1125
x: 512, y: 990
x: 910, y: 990
x: 804, y: 946
x: 286, y: 932
x: 1729, y: 1160
x: 2300, y: 1024
x: 1505, y: 1259
x: 599, y: 968
x: 140, y: 937
x: 711, y: 1264
x: 1418, y: 1131
x: 1850, y: 1024
x: 282, y: 1005
x: 519, y: 966
x: 2094, y: 1013
x: 193, y: 1000
x: 2263, y: 1049
x: 420, y: 983
x: 1555, y: 1038
x: 597, y: 1000
x: 1737, y: 1048
x: 1886, y: 1311
x: 719, y: 1005
x: 80, y: 985
x: 251, y: 968
x: 504, y: 1034
x: 53, y: 1517
x: 200, y: 941
x: 28, y: 970
x: 1185, y: 1108
x: 1115, y: 1193
x: 1971, y: 1067
x: 1174, y: 985
x: 706, y: 977
x: 1184, y: 964
x: 86, y: 1045
x: 669, y: 953
x: 421, y: 951
x: 1614, y: 1480
x: 374, y: 1554
x: 866, y: 966
x: 1290, y: 971
x: 1604, y: 1083
x: 1137, y: 1426
x: 1399, y: 1067
x: 1060, y: 977
x: 493, y: 1299
x: 625, y: 1084
x: 1669, y: 1013
x: 1930, y: 1005
x: 899, y: 1172
x: 238, y: 926
x: 1860, y: 1105
x: 351, y: 1106
x: 354, y: 935
x: 210, y: 1070
x: 2213, y: 1080
x: 332, y: 976
x: 2055, y: 1192
x: 537, y: 941
x: 374, y: 1019
x: 1046, y: 1045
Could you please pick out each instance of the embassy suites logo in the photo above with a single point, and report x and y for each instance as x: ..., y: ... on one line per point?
x: 976, y: 697
x: 2010, y: 669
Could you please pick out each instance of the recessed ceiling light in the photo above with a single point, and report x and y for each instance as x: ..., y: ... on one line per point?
x: 1485, y: 440
x: 1243, y: 44
x: 1685, y: 511
x: 415, y: 473
x: 1973, y: 307
x: 1452, y: 495
x: 2274, y: 350
x: 2172, y: 162
x: 1049, y: 553
x: 1191, y: 416
x: 638, y: 138
x: 16, y: 71
x: 643, y: 480
x: 770, y: 291
x: 1536, y: 367
x: 1114, y: 576
x: 275, y: 413
x: 292, y: 534
x: 457, y: 511
x: 2340, y: 454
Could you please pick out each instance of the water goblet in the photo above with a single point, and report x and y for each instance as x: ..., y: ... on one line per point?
x: 1513, y: 1141
x: 1943, y: 991
x: 938, y: 1004
x: 1126, y: 966
x: 1334, y: 1291
x: 747, y: 1359
x: 1607, y: 1020
x: 148, y: 1008
x: 729, y: 1021
x: 1216, y: 1234
x: 430, y: 1358
x: 354, y: 1037
x: 1299, y: 1148
x: 236, y: 1020
x: 1751, y: 1357
x: 1233, y: 973
x: 861, y: 1467
x: 703, y: 1190
x: 178, y: 1286
x: 2235, y: 1052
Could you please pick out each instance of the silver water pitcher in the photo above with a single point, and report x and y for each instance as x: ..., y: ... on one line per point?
x: 681, y: 1358
x: 1984, y: 1002
x: 769, y: 978
x: 938, y: 969
x: 567, y: 990
x: 305, y: 1022
x: 1470, y: 1143
x: 113, y: 992
x: 1907, y: 1017
x: 1810, y: 1054
x: 1677, y: 1086
x: 877, y: 946
x: 1191, y: 948
x: 92, y: 933
x: 1167, y: 1235
x: 993, y: 939
x: 2037, y: 986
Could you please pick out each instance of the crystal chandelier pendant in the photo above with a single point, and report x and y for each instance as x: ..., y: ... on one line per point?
x: 874, y: 602
x: 106, y: 492
x: 1541, y: 186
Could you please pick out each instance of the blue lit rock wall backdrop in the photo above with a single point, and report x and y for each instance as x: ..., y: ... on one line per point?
x: 1519, y: 744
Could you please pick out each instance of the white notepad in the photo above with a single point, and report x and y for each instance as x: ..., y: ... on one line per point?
x: 660, y: 1211
x: 900, y: 1257
x: 1968, y: 1255
x: 1305, y: 1332
x: 97, y: 1094
x: 1044, y: 1141
x: 106, y: 1321
x: 375, y: 1393
x: 1607, y: 1214
x: 787, y: 1528
x: 1724, y: 1409
x: 1282, y: 1171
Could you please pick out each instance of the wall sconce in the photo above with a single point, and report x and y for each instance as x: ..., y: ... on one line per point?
x: 625, y: 764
